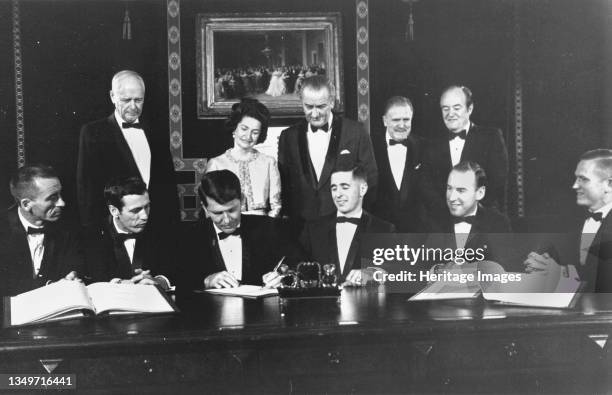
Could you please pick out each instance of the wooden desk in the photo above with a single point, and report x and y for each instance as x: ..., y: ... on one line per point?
x: 368, y: 341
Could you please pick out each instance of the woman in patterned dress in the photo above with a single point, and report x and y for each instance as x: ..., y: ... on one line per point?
x: 258, y: 172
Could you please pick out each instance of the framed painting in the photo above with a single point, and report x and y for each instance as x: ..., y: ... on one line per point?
x: 266, y: 57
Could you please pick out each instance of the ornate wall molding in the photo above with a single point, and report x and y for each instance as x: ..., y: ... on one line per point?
x: 363, y: 63
x: 518, y: 113
x: 18, y: 85
x: 196, y: 166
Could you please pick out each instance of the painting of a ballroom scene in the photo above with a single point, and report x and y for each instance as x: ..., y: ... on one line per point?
x: 268, y: 64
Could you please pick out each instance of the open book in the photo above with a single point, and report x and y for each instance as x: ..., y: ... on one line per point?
x: 68, y: 299
x: 245, y: 291
x: 555, y: 290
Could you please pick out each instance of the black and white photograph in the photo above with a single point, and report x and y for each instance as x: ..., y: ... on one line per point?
x: 306, y: 197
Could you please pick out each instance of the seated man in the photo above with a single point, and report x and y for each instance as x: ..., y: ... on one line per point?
x: 227, y: 248
x: 336, y: 238
x: 470, y: 224
x: 593, y: 231
x: 125, y: 249
x: 36, y: 248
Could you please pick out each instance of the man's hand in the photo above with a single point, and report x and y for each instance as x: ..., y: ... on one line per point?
x: 272, y: 279
x: 142, y: 277
x: 221, y: 280
x: 541, y: 264
x: 72, y: 276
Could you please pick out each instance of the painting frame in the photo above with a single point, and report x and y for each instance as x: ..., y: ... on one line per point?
x: 219, y: 72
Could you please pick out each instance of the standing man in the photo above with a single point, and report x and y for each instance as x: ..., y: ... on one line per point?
x: 398, y: 155
x: 308, y: 150
x: 464, y: 141
x: 227, y: 248
x: 470, y: 224
x: 125, y: 249
x: 335, y: 238
x: 36, y: 248
x: 121, y: 146
x: 593, y: 186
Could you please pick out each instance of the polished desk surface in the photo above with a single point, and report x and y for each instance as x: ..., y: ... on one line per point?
x: 205, y: 317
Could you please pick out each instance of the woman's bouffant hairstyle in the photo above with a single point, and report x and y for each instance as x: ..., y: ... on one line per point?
x: 249, y: 108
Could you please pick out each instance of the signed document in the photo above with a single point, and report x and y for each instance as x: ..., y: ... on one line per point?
x: 245, y: 291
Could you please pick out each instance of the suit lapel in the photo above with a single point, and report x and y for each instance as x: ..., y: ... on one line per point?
x: 304, y: 154
x: 409, y: 163
x: 122, y: 259
x: 216, y: 255
x: 20, y: 242
x: 351, y: 257
x: 333, y: 240
x: 122, y: 145
x: 470, y: 143
x: 332, y: 151
x: 246, y: 242
x: 50, y: 245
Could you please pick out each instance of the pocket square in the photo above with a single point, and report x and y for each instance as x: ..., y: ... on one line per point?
x: 417, y: 167
x: 345, y: 152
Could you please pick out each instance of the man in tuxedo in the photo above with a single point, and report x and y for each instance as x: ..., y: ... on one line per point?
x: 470, y: 224
x: 308, y: 151
x: 121, y: 146
x: 125, y: 249
x: 226, y: 248
x: 36, y: 248
x: 593, y: 186
x: 398, y: 155
x: 463, y: 141
x: 336, y: 238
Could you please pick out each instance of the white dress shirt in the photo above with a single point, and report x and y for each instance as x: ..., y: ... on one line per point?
x: 345, y: 232
x: 589, y: 230
x: 129, y: 244
x: 463, y: 229
x: 318, y: 144
x: 456, y: 146
x: 397, y: 161
x: 231, y: 251
x: 36, y: 242
x: 137, y: 141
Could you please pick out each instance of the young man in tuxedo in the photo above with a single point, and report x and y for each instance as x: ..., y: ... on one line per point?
x: 225, y: 248
x: 463, y: 141
x: 36, y: 247
x: 398, y: 156
x: 593, y: 186
x: 335, y: 238
x: 122, y: 145
x: 125, y: 249
x: 308, y: 151
x: 470, y: 224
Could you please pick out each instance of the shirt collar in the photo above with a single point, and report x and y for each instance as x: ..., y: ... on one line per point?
x: 24, y: 222
x: 604, y: 210
x: 357, y: 215
x: 329, y: 122
x: 117, y: 227
x: 121, y: 120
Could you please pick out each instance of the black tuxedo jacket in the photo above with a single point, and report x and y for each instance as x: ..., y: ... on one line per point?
x: 597, y: 270
x: 401, y: 207
x: 303, y: 197
x: 263, y: 245
x: 320, y: 244
x: 104, y: 154
x: 62, y: 255
x: 484, y: 146
x: 107, y: 258
x: 488, y: 221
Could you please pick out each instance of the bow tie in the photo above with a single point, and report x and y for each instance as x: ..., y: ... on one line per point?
x: 36, y: 231
x: 134, y: 125
x: 126, y: 236
x: 223, y: 235
x: 595, y: 216
x: 467, y: 219
x: 344, y: 220
x: 461, y: 135
x: 393, y: 142
x: 324, y: 128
